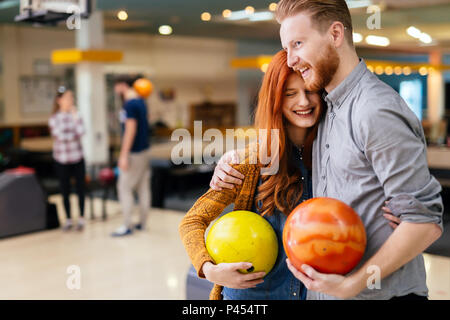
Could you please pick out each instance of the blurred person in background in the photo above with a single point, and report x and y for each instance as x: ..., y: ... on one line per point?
x: 134, y: 158
x: 67, y: 128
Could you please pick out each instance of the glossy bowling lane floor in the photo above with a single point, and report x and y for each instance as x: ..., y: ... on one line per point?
x: 150, y: 264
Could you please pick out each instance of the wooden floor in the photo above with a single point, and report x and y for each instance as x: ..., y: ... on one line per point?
x: 151, y: 264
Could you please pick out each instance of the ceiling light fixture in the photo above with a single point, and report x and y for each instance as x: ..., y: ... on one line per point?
x: 379, y: 70
x: 273, y: 6
x: 389, y: 70
x: 206, y: 16
x: 423, y: 71
x: 255, y: 16
x: 416, y: 33
x: 406, y: 71
x: 226, y: 13
x: 238, y: 15
x: 353, y: 4
x: 261, y: 16
x: 378, y: 41
x: 357, y: 37
x: 264, y: 67
x: 122, y: 15
x: 413, y: 32
x: 165, y: 30
x: 425, y: 38
x: 249, y: 10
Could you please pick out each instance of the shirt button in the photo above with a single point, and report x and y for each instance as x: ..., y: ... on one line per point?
x: 303, y: 178
x: 294, y: 293
x: 327, y: 145
x: 323, y: 177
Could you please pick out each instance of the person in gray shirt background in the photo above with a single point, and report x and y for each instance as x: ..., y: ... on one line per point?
x: 370, y: 147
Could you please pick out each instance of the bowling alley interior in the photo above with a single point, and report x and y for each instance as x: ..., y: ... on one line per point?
x: 201, y: 64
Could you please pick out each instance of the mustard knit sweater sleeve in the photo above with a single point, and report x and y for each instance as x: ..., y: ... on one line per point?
x: 207, y: 208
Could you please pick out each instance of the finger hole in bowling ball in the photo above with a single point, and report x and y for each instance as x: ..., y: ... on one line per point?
x: 251, y: 269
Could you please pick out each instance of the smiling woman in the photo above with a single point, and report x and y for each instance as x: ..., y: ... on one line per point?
x: 283, y: 106
x: 300, y: 107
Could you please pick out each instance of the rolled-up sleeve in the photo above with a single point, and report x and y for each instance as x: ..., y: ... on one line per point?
x: 395, y: 146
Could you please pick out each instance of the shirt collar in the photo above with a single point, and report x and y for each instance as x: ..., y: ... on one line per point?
x: 337, y: 96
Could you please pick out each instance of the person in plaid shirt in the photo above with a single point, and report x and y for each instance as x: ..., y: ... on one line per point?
x: 67, y: 128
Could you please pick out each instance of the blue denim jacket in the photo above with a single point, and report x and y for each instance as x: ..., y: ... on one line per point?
x: 279, y: 283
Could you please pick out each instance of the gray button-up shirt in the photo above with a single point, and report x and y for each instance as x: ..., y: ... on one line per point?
x: 370, y: 148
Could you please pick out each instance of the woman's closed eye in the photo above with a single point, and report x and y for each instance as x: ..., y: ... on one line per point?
x: 290, y: 93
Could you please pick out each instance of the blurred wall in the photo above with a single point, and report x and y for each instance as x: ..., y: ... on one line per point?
x: 197, y: 69
x: 249, y: 80
x: 21, y: 48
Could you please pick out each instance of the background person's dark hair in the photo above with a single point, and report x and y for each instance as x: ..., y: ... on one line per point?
x: 127, y: 79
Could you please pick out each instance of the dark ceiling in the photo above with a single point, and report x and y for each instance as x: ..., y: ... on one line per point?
x: 145, y: 16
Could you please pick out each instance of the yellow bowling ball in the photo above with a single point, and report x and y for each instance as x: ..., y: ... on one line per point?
x: 243, y: 236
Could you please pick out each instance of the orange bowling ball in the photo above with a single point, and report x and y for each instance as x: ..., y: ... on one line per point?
x: 143, y: 87
x: 326, y: 234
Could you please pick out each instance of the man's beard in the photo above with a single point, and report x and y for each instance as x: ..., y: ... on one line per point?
x: 324, y: 71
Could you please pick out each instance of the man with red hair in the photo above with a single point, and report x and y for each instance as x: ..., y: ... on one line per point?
x: 370, y: 147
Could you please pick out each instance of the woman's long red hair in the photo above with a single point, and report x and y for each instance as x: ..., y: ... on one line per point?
x: 283, y: 189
